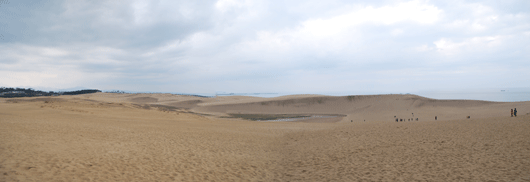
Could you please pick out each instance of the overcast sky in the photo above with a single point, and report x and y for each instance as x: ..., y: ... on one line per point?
x: 265, y: 46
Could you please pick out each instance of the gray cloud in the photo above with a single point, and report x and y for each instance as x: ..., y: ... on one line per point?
x: 273, y: 46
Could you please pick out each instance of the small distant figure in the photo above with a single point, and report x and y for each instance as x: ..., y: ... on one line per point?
x: 397, y: 120
x: 468, y: 117
x: 394, y: 116
x: 400, y: 119
x: 416, y: 119
x: 435, y: 117
x: 515, y: 112
x: 351, y: 121
x: 511, y: 112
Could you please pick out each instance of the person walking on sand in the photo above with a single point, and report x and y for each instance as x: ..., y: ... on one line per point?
x: 515, y: 112
x: 511, y: 112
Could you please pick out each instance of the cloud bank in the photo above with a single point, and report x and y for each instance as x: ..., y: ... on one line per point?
x: 265, y: 46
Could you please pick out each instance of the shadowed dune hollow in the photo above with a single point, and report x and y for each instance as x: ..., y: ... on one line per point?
x: 165, y: 137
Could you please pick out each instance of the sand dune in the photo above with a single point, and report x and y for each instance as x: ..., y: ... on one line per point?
x: 373, y: 108
x: 164, y: 137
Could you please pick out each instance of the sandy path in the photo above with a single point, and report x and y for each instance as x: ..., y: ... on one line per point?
x: 80, y: 140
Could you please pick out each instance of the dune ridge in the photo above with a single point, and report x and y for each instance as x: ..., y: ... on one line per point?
x: 164, y: 137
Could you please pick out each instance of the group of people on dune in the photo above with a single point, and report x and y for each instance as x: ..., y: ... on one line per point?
x: 514, y: 112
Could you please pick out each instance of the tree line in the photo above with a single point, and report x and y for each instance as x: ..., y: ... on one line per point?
x: 23, y: 92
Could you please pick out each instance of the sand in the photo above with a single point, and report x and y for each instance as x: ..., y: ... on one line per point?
x: 164, y: 137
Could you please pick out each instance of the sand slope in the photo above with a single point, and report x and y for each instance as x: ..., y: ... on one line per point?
x: 115, y: 137
x: 374, y: 107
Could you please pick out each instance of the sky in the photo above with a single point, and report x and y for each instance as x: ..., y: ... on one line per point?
x: 243, y: 46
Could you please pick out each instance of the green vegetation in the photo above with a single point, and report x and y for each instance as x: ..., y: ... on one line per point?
x: 22, y: 92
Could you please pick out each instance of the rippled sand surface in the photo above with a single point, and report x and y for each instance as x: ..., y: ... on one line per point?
x: 113, y: 137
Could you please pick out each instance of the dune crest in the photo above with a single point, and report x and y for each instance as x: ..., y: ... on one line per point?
x: 164, y: 137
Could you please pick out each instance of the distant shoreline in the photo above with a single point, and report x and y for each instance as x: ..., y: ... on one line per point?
x: 23, y: 92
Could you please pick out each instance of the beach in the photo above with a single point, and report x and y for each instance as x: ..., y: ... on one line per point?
x: 165, y: 137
